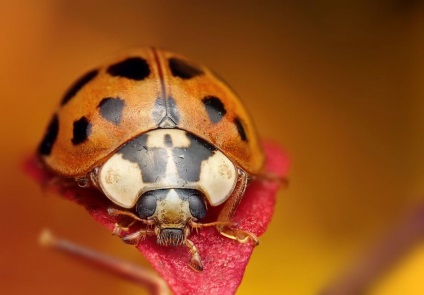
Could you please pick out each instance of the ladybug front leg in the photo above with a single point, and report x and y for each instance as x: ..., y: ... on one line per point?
x: 125, y: 220
x: 122, y: 224
x: 195, y: 260
x: 116, y: 212
x: 136, y: 237
x: 229, y: 209
x: 240, y: 235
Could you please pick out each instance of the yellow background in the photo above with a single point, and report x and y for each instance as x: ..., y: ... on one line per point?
x: 339, y: 84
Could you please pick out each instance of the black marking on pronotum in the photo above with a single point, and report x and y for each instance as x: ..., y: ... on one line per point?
x: 182, y: 69
x: 215, y: 108
x: 134, y: 68
x: 240, y: 129
x: 188, y: 160
x: 111, y: 109
x: 81, y: 131
x: 165, y: 109
x: 167, y: 140
x: 200, y: 142
x: 152, y: 161
x: 49, y: 139
x: 81, y: 82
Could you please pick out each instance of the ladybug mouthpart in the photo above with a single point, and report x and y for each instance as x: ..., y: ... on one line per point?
x: 171, y: 237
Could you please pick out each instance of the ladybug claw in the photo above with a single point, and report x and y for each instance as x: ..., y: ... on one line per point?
x: 117, y: 230
x: 134, y: 238
x: 239, y: 235
x: 195, y: 260
x: 196, y: 263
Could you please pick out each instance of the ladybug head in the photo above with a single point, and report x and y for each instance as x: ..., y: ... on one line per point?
x: 172, y: 210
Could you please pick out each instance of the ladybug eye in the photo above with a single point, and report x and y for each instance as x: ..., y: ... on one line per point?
x: 146, y: 205
x: 197, y: 205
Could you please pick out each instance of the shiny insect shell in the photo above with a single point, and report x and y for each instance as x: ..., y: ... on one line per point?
x: 162, y: 137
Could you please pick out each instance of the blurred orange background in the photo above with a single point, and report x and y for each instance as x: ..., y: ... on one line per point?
x: 339, y: 84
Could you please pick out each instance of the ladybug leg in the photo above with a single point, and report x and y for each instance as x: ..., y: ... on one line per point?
x: 228, y: 212
x: 137, y: 236
x: 195, y: 260
x: 116, y: 212
x: 126, y: 220
x: 123, y: 224
x: 197, y: 226
x: 239, y: 235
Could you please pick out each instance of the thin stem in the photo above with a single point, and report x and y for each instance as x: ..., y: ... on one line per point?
x: 381, y: 258
x: 124, y: 269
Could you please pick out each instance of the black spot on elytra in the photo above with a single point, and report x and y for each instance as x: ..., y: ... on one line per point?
x: 134, y: 68
x: 215, y: 108
x: 49, y: 139
x: 240, y: 129
x: 167, y: 140
x: 81, y: 131
x: 182, y: 69
x: 81, y: 82
x: 111, y: 109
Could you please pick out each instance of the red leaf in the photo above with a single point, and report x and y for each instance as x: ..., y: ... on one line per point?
x: 224, y: 260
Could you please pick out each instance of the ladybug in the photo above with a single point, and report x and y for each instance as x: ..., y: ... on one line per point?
x: 162, y: 138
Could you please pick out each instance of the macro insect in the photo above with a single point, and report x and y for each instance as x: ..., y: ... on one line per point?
x: 162, y: 138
